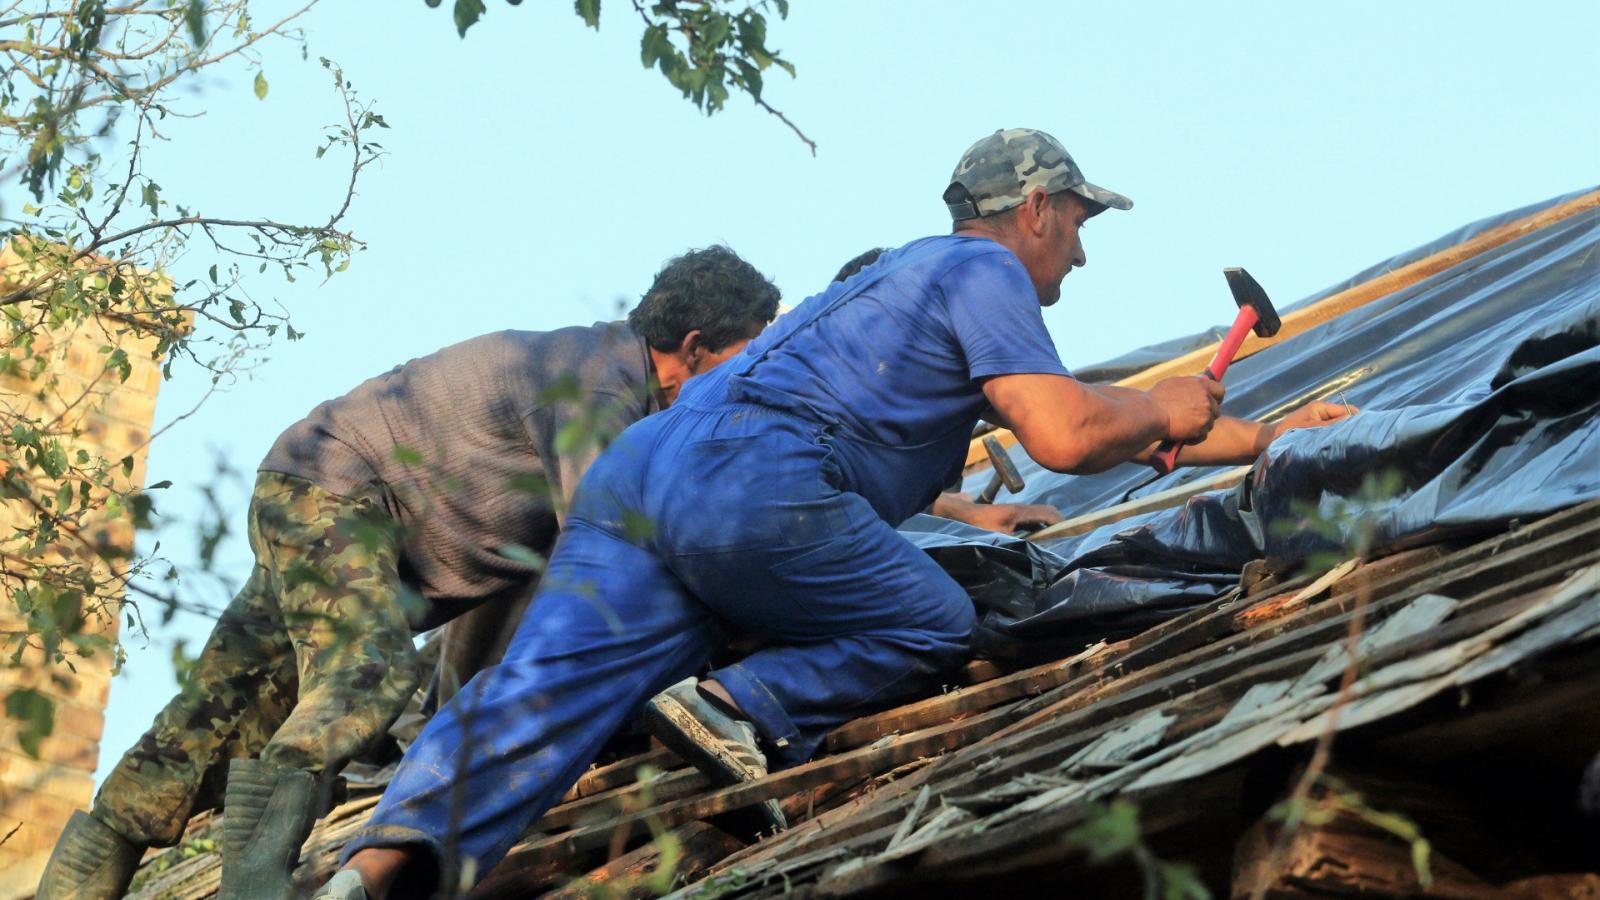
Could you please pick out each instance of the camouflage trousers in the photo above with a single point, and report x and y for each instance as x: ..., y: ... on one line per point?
x: 310, y: 663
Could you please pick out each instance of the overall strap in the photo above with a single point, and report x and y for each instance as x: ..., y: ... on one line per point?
x: 868, y: 277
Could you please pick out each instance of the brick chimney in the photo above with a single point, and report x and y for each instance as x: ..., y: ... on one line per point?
x: 113, y: 419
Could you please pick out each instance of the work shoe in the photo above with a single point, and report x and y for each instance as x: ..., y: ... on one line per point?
x: 722, y: 747
x: 267, y: 813
x: 90, y: 862
x: 344, y: 885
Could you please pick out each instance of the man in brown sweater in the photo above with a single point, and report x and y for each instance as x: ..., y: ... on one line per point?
x: 423, y: 493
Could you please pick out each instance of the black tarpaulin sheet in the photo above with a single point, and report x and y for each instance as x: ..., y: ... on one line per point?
x: 1481, y: 395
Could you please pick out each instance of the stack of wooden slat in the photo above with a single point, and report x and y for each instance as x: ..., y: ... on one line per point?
x: 1201, y: 722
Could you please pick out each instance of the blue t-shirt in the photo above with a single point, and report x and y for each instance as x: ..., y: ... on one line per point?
x: 894, y: 360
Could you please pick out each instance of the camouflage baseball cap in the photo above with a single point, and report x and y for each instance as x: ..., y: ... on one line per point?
x: 1001, y: 170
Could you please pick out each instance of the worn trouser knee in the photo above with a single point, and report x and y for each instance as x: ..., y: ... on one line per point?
x: 948, y: 628
x: 346, y: 711
x: 341, y: 601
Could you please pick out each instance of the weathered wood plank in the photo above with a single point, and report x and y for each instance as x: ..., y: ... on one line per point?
x: 624, y: 771
x: 669, y: 786
x: 996, y: 760
x: 1311, y: 624
x: 1160, y: 500
x: 963, y: 702
x: 628, y: 877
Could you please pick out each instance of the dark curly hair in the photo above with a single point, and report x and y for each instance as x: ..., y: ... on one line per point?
x: 712, y: 290
x: 860, y: 262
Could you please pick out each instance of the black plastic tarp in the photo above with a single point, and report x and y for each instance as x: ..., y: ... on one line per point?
x: 1480, y: 390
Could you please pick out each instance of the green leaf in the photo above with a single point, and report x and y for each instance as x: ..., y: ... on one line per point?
x: 717, y: 30
x: 637, y: 527
x: 183, y: 666
x: 467, y: 14
x: 213, y: 273
x: 718, y: 94
x: 261, y: 86
x: 194, y: 15
x: 753, y: 31
x: 54, y: 461
x: 532, y: 485
x: 654, y: 45
x: 590, y: 11
x: 407, y: 456
x: 1108, y: 831
x: 37, y: 715
x: 152, y: 197
x: 118, y: 359
x: 521, y: 554
x: 1420, y: 851
x: 573, y: 436
x: 159, y: 486
x: 752, y: 78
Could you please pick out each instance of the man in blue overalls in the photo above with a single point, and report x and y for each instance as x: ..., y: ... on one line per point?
x: 765, y: 502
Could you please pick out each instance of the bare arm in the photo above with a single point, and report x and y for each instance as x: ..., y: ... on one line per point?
x: 1067, y: 426
x: 1237, y: 442
x: 1232, y: 442
x: 1001, y: 517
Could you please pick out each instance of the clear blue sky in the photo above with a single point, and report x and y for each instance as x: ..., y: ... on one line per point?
x: 537, y: 176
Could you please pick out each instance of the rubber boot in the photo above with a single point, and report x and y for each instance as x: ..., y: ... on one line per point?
x: 267, y: 813
x: 90, y: 862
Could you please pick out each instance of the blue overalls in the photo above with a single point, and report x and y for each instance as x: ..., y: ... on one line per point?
x: 726, y: 513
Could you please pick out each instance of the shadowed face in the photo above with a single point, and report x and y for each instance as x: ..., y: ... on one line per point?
x: 694, y: 358
x: 1060, y: 245
x: 1044, y: 231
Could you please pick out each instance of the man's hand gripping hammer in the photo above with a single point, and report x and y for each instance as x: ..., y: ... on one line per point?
x: 1255, y: 314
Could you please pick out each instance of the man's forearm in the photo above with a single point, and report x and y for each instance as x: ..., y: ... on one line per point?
x: 1232, y: 442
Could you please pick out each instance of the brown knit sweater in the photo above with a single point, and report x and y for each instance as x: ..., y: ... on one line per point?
x: 479, y: 431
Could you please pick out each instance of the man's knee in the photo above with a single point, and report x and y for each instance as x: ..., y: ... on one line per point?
x: 946, y: 622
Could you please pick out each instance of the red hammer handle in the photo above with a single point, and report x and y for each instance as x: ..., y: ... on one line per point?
x: 1247, y: 319
x: 1165, y: 459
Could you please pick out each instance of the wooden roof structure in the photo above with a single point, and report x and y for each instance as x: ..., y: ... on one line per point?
x: 1416, y: 724
x: 1456, y: 683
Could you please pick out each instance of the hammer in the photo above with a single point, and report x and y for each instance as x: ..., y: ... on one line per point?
x: 1255, y: 313
x: 1005, y: 471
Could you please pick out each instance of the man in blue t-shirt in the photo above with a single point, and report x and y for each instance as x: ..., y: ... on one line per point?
x: 765, y: 501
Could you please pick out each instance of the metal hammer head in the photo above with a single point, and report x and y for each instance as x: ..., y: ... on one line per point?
x: 1247, y: 293
x: 1004, y: 469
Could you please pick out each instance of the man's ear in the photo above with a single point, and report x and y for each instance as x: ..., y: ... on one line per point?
x: 1036, y: 204
x: 694, y: 344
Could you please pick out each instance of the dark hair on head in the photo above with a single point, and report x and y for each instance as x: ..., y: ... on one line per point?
x: 860, y: 262
x: 711, y: 290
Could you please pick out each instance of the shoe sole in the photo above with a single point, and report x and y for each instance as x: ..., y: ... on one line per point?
x: 683, y: 734
x: 686, y: 736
